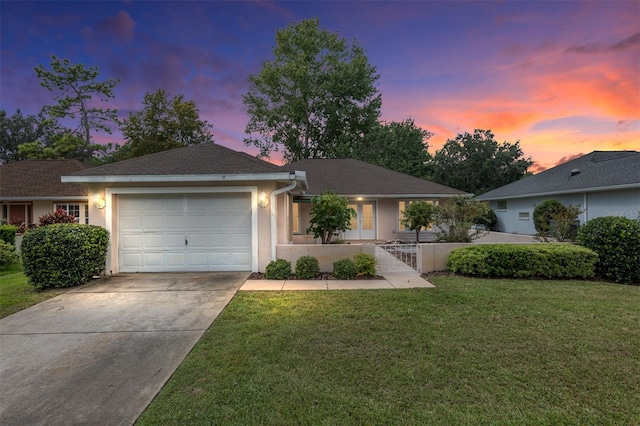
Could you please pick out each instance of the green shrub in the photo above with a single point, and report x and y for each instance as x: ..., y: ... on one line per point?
x: 8, y: 255
x: 64, y: 255
x: 278, y: 269
x: 542, y: 215
x: 307, y: 267
x: 524, y: 261
x: 365, y: 265
x: 8, y: 234
x: 617, y: 242
x: 344, y: 269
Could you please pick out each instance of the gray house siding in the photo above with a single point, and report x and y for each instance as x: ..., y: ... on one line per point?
x: 610, y: 203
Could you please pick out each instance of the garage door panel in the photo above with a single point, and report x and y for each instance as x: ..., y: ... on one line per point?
x: 152, y: 241
x: 152, y: 222
x: 130, y: 222
x: 153, y: 230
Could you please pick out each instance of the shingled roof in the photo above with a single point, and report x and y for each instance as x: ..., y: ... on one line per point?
x: 40, y: 179
x: 596, y: 171
x: 203, y: 159
x: 353, y: 177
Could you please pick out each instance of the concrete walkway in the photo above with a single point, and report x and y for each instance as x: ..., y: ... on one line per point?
x: 98, y: 354
x: 396, y: 273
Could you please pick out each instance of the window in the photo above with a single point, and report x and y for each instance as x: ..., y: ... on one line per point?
x: 402, y: 205
x: 523, y: 215
x: 502, y: 205
x: 79, y: 211
x: 295, y: 218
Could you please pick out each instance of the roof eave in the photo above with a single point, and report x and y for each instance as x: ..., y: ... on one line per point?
x: 572, y: 191
x: 301, y: 176
x: 46, y: 198
x: 420, y: 195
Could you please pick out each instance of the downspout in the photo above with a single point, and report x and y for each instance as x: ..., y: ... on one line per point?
x: 274, y: 194
x: 585, y: 213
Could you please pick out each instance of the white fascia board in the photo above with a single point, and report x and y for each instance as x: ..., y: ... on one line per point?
x: 572, y: 191
x: 402, y: 196
x: 180, y: 178
x: 47, y: 198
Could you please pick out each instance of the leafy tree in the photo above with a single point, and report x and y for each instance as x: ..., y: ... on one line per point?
x: 163, y: 124
x: 330, y: 214
x: 316, y: 98
x: 18, y: 129
x: 65, y: 145
x: 456, y: 216
x: 477, y: 163
x: 418, y: 215
x: 486, y: 216
x: 400, y: 146
x: 75, y: 87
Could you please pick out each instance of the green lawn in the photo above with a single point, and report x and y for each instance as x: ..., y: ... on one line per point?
x: 470, y: 351
x: 16, y: 294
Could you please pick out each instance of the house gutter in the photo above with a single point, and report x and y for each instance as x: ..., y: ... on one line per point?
x: 274, y: 208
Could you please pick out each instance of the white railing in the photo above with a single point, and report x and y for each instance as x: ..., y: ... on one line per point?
x: 407, y: 253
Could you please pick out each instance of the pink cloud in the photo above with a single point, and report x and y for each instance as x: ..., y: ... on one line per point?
x: 120, y: 26
x: 568, y: 158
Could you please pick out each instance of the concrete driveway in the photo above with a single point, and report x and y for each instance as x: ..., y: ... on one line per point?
x: 99, y: 354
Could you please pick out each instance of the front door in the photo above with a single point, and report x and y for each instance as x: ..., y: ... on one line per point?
x: 363, y: 226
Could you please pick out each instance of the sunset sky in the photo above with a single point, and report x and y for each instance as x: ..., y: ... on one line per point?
x: 562, y: 77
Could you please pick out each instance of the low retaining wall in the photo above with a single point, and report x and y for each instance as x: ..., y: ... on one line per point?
x: 325, y: 253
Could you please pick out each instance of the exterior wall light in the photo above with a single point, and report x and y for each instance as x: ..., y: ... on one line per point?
x: 99, y: 201
x: 263, y: 200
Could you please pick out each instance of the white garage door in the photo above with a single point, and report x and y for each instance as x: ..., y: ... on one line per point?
x: 184, y: 232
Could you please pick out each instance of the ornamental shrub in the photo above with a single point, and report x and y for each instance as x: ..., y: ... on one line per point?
x: 8, y: 234
x: 524, y: 261
x: 365, y: 265
x: 64, y: 255
x: 8, y: 255
x: 344, y: 269
x: 617, y: 242
x: 278, y: 269
x: 542, y: 214
x: 58, y: 216
x: 307, y: 267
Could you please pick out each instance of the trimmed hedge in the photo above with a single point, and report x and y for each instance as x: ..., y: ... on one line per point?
x: 307, y: 267
x: 365, y: 265
x: 524, y: 261
x: 8, y: 234
x: 344, y: 269
x: 278, y: 269
x: 617, y: 242
x: 64, y: 255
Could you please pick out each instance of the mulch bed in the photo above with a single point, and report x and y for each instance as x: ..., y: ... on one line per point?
x: 321, y: 276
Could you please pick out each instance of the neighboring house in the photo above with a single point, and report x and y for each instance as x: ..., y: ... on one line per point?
x: 378, y: 195
x: 198, y: 208
x: 32, y: 188
x: 602, y: 183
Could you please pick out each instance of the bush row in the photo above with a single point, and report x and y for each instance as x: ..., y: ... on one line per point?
x: 64, y: 255
x: 308, y: 267
x: 8, y: 234
x: 524, y: 261
x: 8, y: 255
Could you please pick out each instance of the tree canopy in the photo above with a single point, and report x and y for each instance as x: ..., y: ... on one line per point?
x: 163, y: 124
x: 477, y: 163
x: 16, y: 130
x: 330, y: 214
x: 75, y: 87
x: 418, y: 214
x: 316, y: 98
x: 400, y: 146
